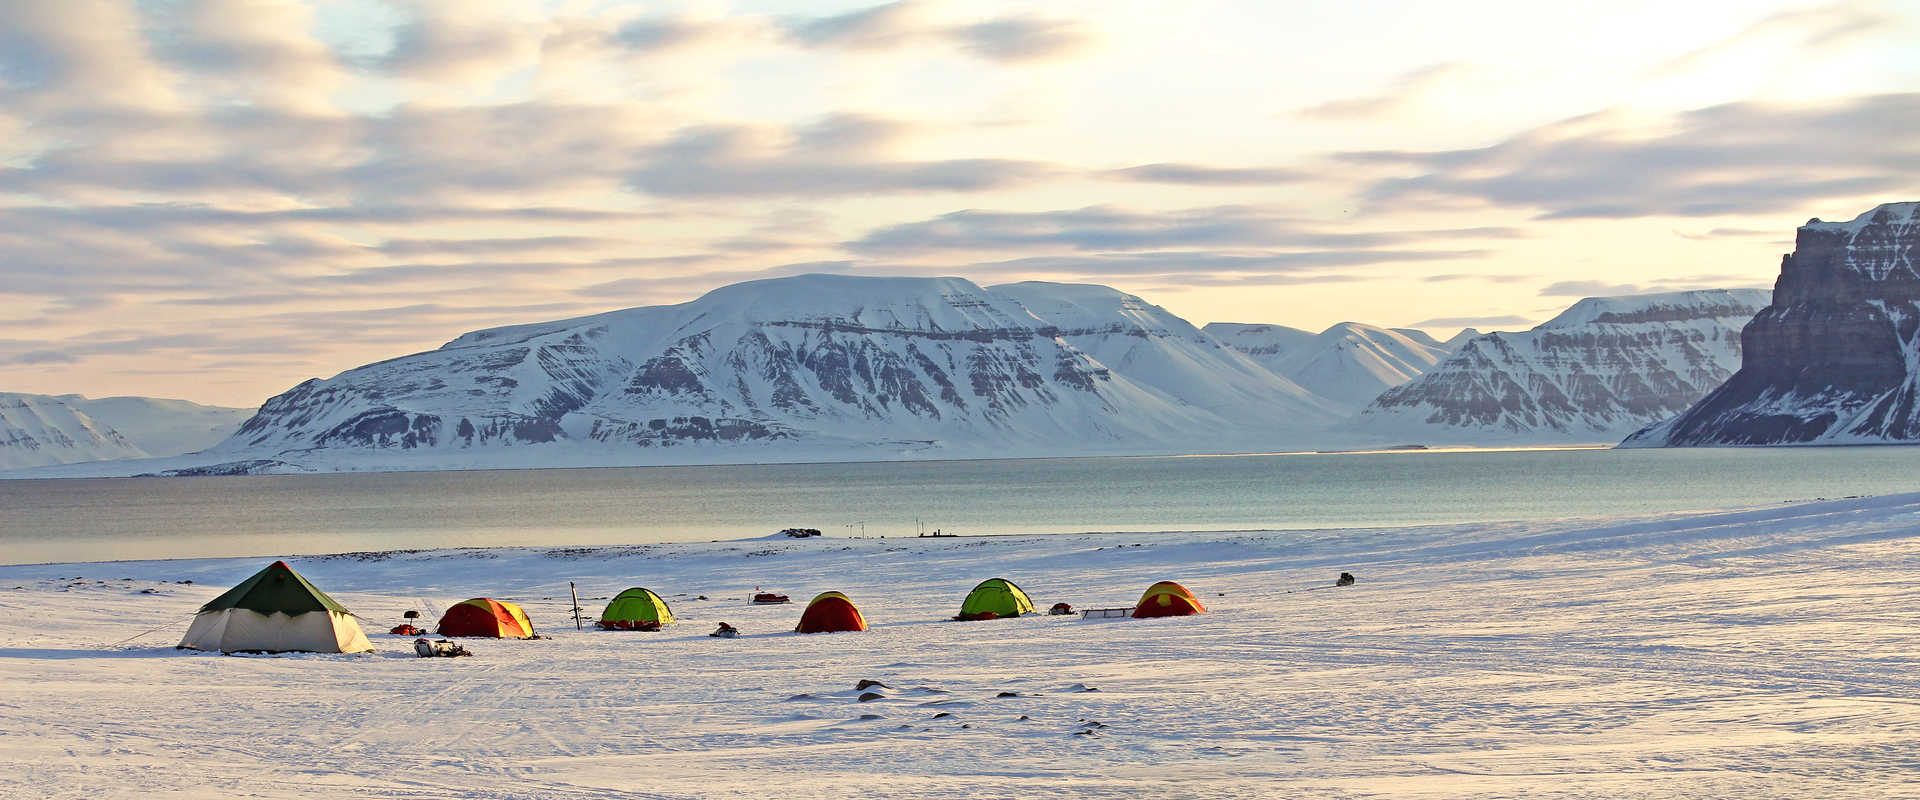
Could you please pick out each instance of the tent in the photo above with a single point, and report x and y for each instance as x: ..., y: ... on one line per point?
x: 1167, y: 599
x: 997, y: 597
x: 275, y: 611
x: 483, y: 616
x: 830, y: 612
x: 636, y: 608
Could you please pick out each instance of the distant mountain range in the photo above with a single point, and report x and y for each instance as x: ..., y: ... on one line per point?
x: 40, y: 430
x: 797, y: 368
x: 823, y: 367
x: 1599, y: 371
x: 1348, y: 364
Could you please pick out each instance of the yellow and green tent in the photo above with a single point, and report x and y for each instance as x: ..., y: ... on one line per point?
x: 995, y: 598
x: 636, y: 608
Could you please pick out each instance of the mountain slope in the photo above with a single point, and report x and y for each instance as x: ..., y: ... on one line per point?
x: 38, y: 430
x: 819, y: 363
x: 1348, y: 364
x: 1603, y: 368
x: 1836, y: 358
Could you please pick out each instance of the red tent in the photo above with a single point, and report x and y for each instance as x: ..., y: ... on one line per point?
x: 1167, y: 599
x: 830, y: 612
x: 484, y: 616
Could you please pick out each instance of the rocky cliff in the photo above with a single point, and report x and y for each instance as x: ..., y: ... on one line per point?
x: 1833, y: 358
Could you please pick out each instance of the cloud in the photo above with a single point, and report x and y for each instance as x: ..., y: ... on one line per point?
x: 252, y: 52
x: 1728, y: 233
x: 1191, y: 263
x: 1022, y: 39
x: 1812, y: 30
x: 1110, y: 228
x: 838, y: 155
x: 1496, y: 321
x: 473, y: 42
x: 44, y: 357
x: 1591, y: 289
x: 1728, y: 159
x: 1202, y: 175
x: 77, y: 54
x: 1405, y: 91
x: 1461, y: 276
x: 895, y: 26
x: 666, y: 35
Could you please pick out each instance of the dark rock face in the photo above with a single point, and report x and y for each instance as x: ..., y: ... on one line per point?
x: 1832, y: 360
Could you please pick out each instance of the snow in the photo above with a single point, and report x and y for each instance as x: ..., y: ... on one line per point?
x: 1761, y: 652
x: 1596, y: 373
x: 1895, y: 211
x: 38, y: 430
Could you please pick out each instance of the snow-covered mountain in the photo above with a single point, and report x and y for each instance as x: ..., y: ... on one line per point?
x: 39, y: 430
x: 1603, y: 368
x: 816, y: 364
x: 1349, y: 364
x: 1266, y: 344
x: 1836, y: 358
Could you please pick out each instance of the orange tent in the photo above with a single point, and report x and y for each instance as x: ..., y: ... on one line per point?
x: 1167, y: 599
x: 830, y: 612
x: 484, y: 616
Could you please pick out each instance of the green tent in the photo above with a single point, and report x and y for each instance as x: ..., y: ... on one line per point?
x: 276, y: 610
x: 996, y: 596
x: 636, y: 608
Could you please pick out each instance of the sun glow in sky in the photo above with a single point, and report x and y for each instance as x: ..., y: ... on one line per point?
x: 217, y: 199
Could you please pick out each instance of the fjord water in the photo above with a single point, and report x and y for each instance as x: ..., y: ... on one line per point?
x: 146, y: 518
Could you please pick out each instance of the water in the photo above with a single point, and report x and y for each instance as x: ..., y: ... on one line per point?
x: 144, y: 518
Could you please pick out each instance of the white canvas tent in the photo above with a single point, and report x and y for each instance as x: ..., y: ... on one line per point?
x: 275, y: 611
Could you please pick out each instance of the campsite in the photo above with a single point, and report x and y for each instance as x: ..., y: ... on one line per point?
x: 1767, y: 652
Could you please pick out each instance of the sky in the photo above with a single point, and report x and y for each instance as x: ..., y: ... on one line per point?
x: 217, y: 199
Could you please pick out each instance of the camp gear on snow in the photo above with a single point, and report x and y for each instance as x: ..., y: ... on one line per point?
x: 1167, y: 599
x: 275, y: 611
x: 407, y: 630
x: 1105, y: 613
x: 1346, y: 579
x: 966, y: 617
x: 725, y: 631
x: 636, y: 609
x: 1059, y: 609
x: 994, y: 598
x: 765, y: 598
x: 438, y: 649
x: 484, y: 616
x: 830, y: 612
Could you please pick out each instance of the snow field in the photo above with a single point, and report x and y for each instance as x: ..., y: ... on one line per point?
x: 1761, y: 653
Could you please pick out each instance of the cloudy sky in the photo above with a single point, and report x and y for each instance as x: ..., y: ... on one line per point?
x: 216, y: 199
